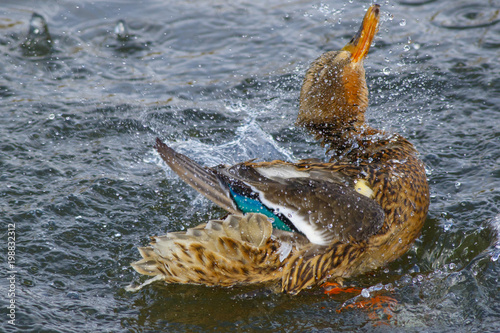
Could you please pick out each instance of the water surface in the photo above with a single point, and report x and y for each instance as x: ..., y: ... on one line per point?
x: 220, y: 82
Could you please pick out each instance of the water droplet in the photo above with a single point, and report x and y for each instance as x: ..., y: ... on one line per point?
x: 52, y: 116
x: 457, y: 185
x: 402, y: 22
x: 38, y: 41
x: 387, y: 71
x: 406, y: 48
x: 447, y: 225
x: 73, y: 295
x: 406, y: 279
x: 365, y: 293
x: 121, y: 29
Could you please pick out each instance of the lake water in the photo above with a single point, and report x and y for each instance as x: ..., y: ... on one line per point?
x: 219, y: 81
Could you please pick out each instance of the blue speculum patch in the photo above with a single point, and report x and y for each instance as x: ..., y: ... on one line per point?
x: 249, y: 205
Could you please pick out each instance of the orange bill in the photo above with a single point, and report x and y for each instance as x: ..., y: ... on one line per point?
x: 360, y: 43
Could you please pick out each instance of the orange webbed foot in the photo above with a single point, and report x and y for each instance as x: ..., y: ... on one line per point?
x: 374, y: 303
x: 379, y: 308
x: 333, y: 288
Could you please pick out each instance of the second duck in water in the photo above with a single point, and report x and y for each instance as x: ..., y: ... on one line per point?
x: 295, y: 225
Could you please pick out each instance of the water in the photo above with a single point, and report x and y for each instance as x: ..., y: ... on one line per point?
x: 219, y: 81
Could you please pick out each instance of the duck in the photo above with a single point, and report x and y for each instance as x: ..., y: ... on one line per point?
x: 295, y: 225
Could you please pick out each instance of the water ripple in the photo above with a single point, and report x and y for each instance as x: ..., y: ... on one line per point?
x: 467, y: 16
x: 417, y: 2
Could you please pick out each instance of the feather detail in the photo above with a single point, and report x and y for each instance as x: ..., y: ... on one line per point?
x: 237, y: 250
x: 220, y: 252
x: 282, y: 172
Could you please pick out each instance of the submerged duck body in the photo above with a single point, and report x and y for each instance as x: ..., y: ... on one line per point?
x: 296, y: 225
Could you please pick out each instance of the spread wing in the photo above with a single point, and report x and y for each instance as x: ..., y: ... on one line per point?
x: 321, y: 204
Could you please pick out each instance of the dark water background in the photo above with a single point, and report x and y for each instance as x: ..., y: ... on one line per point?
x: 219, y: 80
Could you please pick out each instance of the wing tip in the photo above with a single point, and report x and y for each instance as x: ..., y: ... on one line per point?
x: 166, y: 153
x: 158, y: 143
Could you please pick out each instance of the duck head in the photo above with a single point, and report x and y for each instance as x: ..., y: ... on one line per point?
x: 334, y: 94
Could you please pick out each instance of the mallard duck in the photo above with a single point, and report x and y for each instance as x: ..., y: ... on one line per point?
x: 296, y: 225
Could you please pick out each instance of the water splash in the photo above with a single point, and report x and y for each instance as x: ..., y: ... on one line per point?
x: 251, y: 142
x: 121, y: 30
x: 38, y: 41
x: 123, y: 41
x: 495, y: 253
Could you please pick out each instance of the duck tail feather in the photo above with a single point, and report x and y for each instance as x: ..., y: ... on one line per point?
x: 218, y: 253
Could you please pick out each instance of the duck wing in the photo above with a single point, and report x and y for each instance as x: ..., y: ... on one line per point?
x: 323, y: 205
x: 320, y: 203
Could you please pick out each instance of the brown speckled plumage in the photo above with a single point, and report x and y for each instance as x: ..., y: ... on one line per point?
x: 356, y: 213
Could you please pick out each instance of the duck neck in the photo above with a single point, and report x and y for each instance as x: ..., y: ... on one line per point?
x: 333, y: 100
x: 346, y: 141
